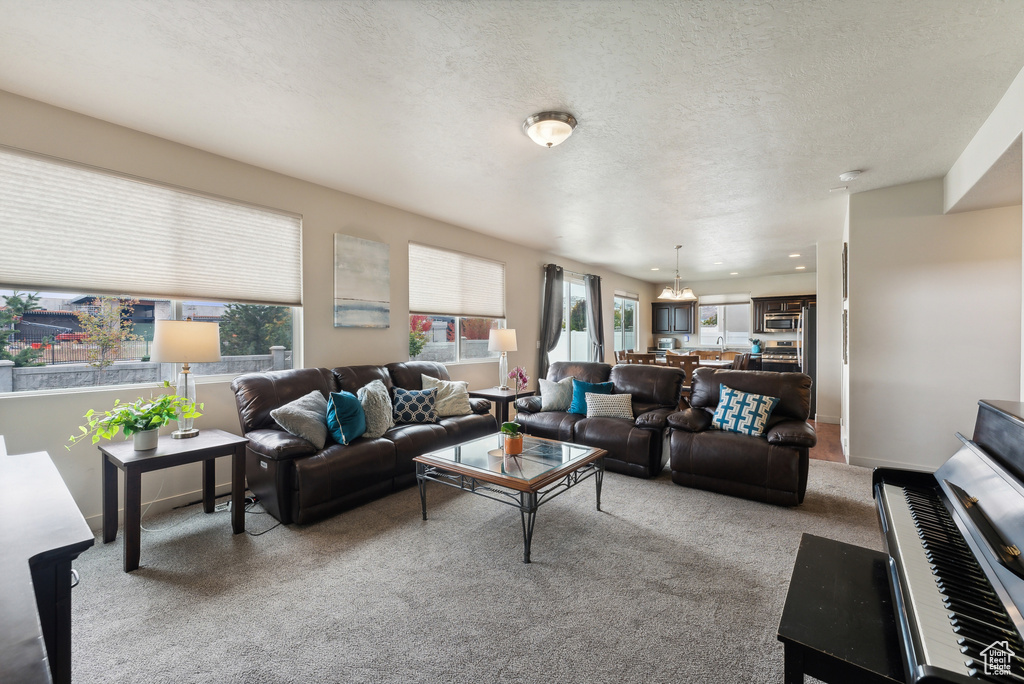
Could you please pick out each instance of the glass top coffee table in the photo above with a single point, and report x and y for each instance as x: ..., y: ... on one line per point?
x: 544, y: 470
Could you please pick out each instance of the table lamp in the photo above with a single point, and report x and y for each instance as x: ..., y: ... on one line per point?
x: 502, y: 340
x: 185, y: 342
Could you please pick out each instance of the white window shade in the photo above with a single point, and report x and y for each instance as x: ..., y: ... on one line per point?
x: 70, y: 228
x: 453, y: 283
x: 736, y: 298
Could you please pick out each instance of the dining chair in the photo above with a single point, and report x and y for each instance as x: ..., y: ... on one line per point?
x: 648, y: 358
x: 741, y: 362
x: 728, y: 356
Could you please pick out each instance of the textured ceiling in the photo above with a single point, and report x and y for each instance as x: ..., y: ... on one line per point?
x: 719, y: 125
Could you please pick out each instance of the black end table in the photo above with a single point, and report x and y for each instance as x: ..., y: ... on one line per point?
x: 206, y: 446
x: 838, y: 623
x: 501, y: 398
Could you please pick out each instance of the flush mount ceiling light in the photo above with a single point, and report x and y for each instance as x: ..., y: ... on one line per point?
x: 548, y: 129
x: 848, y: 176
x: 681, y: 294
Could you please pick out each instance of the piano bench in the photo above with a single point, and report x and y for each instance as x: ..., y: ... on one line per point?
x: 838, y: 623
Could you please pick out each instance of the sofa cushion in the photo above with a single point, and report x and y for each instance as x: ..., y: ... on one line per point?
x: 351, y: 378
x: 409, y: 374
x: 792, y: 433
x: 257, y: 394
x: 415, y: 406
x: 278, y: 445
x: 586, y: 371
x: 743, y: 412
x: 306, y: 417
x: 555, y: 396
x: 691, y: 420
x: 609, y: 406
x: 650, y: 385
x: 376, y: 402
x: 579, y: 394
x: 346, y: 418
x: 452, y: 397
x: 793, y: 389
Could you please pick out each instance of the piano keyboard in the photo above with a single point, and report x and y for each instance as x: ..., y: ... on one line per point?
x: 954, y: 612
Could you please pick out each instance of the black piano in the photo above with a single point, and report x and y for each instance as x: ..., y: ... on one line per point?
x: 954, y: 540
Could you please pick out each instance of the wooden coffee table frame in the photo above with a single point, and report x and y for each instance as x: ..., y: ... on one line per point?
x: 526, y: 495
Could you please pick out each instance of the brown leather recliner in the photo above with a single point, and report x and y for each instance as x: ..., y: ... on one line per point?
x: 297, y: 483
x: 634, y: 446
x: 770, y: 468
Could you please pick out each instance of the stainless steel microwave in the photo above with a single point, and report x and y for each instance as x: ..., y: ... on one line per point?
x: 782, y: 321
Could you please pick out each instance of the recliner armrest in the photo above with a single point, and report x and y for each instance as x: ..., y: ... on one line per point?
x: 656, y: 419
x: 279, y: 445
x: 691, y: 420
x: 480, y: 406
x: 529, y: 404
x: 796, y: 433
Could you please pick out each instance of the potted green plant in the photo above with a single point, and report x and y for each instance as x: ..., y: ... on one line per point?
x: 140, y: 419
x: 513, y: 439
x: 755, y: 345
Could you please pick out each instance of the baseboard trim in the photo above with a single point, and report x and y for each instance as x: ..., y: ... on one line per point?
x: 881, y: 463
x: 167, y: 503
x: 831, y: 420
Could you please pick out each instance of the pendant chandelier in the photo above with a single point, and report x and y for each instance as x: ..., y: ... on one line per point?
x: 681, y: 294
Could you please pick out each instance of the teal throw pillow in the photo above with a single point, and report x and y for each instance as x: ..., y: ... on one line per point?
x: 742, y: 412
x: 345, y: 417
x: 415, y: 406
x: 579, y: 394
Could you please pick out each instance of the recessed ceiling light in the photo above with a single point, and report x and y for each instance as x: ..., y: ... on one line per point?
x: 848, y: 176
x: 800, y: 268
x: 793, y: 256
x: 734, y: 273
x: 718, y: 263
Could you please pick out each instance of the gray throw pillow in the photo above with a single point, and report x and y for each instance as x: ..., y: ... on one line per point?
x: 306, y: 417
x: 376, y: 401
x: 555, y: 396
x: 452, y: 397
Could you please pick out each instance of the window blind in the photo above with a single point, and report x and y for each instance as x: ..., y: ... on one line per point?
x: 736, y: 298
x: 442, y: 282
x: 67, y: 227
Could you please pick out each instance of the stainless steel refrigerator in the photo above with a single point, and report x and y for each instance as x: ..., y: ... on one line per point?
x: 808, y: 349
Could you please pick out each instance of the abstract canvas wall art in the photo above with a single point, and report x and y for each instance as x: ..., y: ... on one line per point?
x: 362, y: 283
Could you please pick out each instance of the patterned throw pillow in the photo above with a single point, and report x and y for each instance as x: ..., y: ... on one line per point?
x: 306, y: 417
x: 555, y: 396
x: 376, y: 403
x: 742, y: 412
x: 609, y: 405
x: 415, y: 406
x: 346, y: 418
x: 579, y: 394
x: 452, y: 396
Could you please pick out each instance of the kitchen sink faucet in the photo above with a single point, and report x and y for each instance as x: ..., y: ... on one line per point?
x: 721, y: 341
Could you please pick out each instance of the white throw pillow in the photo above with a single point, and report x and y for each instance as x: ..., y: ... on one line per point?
x: 555, y: 396
x: 451, y: 398
x: 376, y: 401
x: 609, y: 405
x: 306, y: 417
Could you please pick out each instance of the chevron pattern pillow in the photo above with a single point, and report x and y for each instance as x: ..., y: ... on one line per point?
x: 742, y: 412
x: 609, y: 405
x: 415, y: 406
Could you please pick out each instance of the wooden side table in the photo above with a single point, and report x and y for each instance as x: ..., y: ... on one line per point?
x: 206, y: 446
x: 838, y: 623
x: 501, y: 398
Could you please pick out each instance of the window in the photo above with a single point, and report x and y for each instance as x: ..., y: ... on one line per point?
x: 625, y: 321
x: 728, y: 322
x: 455, y: 300
x: 59, y: 340
x: 573, y: 344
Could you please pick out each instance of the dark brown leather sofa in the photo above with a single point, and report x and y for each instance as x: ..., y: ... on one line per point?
x: 634, y: 446
x: 771, y: 468
x: 297, y: 483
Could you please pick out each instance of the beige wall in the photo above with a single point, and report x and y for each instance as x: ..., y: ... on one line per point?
x: 935, y: 322
x: 829, y: 347
x: 43, y: 422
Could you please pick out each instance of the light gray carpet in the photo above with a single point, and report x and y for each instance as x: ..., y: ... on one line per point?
x: 668, y: 584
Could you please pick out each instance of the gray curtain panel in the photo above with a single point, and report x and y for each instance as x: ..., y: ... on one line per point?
x: 595, y: 318
x: 550, y: 315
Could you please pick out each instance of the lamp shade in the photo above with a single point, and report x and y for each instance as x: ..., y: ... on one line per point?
x: 185, y: 342
x: 501, y: 340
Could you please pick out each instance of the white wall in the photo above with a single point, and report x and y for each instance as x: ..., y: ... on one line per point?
x: 935, y: 322
x: 43, y: 422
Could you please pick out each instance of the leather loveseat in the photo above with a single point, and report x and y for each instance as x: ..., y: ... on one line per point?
x: 770, y: 468
x: 295, y: 482
x: 634, y: 446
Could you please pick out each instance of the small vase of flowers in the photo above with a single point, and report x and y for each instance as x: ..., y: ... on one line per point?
x: 513, y: 438
x: 519, y: 380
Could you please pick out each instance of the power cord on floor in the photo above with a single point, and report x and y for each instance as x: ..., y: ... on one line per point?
x: 251, y: 502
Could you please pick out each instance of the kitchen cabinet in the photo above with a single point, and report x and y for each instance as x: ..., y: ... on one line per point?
x: 759, y: 306
x: 672, y: 319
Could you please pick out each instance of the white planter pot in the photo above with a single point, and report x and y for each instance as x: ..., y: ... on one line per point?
x: 145, y: 440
